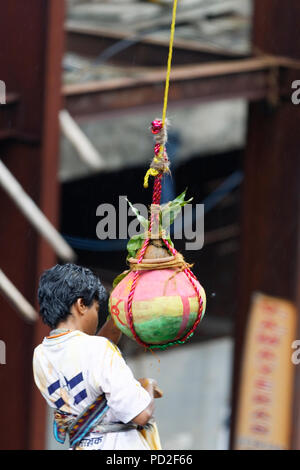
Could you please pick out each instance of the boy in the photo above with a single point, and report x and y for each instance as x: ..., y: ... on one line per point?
x: 82, y: 376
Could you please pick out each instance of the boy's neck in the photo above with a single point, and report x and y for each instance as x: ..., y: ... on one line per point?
x: 68, y: 325
x: 59, y: 331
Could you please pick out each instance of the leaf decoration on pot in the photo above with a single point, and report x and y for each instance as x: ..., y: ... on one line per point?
x: 168, y: 214
x: 172, y: 209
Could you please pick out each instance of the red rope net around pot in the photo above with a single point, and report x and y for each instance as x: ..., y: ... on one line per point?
x: 158, y: 302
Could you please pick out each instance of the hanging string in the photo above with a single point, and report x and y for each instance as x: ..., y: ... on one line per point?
x: 189, y: 274
x: 169, y: 63
x: 159, y: 166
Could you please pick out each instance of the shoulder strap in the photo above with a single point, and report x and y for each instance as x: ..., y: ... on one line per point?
x: 79, y: 427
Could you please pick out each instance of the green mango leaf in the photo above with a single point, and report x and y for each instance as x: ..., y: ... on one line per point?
x: 144, y: 222
x: 168, y: 213
x: 181, y: 196
x: 171, y: 209
x: 134, y: 244
x: 119, y: 278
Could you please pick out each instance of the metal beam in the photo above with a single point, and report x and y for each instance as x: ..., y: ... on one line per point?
x: 29, y: 138
x: 269, y: 260
x: 145, y: 49
x: 252, y: 79
x: 15, y: 297
x: 88, y: 154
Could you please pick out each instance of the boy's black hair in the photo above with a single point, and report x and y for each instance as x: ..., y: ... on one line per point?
x: 62, y: 285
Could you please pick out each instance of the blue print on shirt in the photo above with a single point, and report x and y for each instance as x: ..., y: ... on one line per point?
x: 70, y: 384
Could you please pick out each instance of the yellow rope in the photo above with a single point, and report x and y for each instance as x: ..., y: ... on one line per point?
x: 152, y: 171
x: 169, y: 62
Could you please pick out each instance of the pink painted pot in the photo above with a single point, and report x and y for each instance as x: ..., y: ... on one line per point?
x: 165, y: 305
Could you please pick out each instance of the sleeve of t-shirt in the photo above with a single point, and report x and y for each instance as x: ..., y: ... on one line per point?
x: 125, y: 395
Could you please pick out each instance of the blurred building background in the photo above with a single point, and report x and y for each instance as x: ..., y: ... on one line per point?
x: 83, y: 82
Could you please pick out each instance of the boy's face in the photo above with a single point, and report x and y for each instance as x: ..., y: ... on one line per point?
x: 90, y: 318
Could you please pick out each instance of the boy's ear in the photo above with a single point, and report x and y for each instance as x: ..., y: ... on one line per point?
x: 80, y: 306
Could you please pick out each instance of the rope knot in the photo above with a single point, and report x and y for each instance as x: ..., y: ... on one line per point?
x: 156, y: 126
x: 160, y: 163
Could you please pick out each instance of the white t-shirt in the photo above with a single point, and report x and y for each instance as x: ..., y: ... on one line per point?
x: 73, y: 369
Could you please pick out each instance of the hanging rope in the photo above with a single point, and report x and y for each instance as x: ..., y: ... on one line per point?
x: 169, y: 62
x: 159, y: 166
x: 160, y: 163
x: 192, y: 278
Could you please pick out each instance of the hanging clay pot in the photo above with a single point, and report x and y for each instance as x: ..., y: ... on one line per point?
x: 165, y: 303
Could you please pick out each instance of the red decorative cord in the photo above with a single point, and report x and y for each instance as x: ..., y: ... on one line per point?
x: 156, y: 197
x: 157, y: 190
x: 129, y: 316
x: 192, y: 278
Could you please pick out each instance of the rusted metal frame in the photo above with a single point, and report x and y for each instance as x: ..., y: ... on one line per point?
x: 9, y: 126
x: 49, y: 187
x: 270, y: 200
x: 22, y: 72
x: 97, y: 101
x: 249, y: 79
x: 33, y: 213
x: 270, y: 254
x: 14, y: 296
x: 32, y: 76
x: 91, y: 42
x: 9, y: 121
x: 9, y: 114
